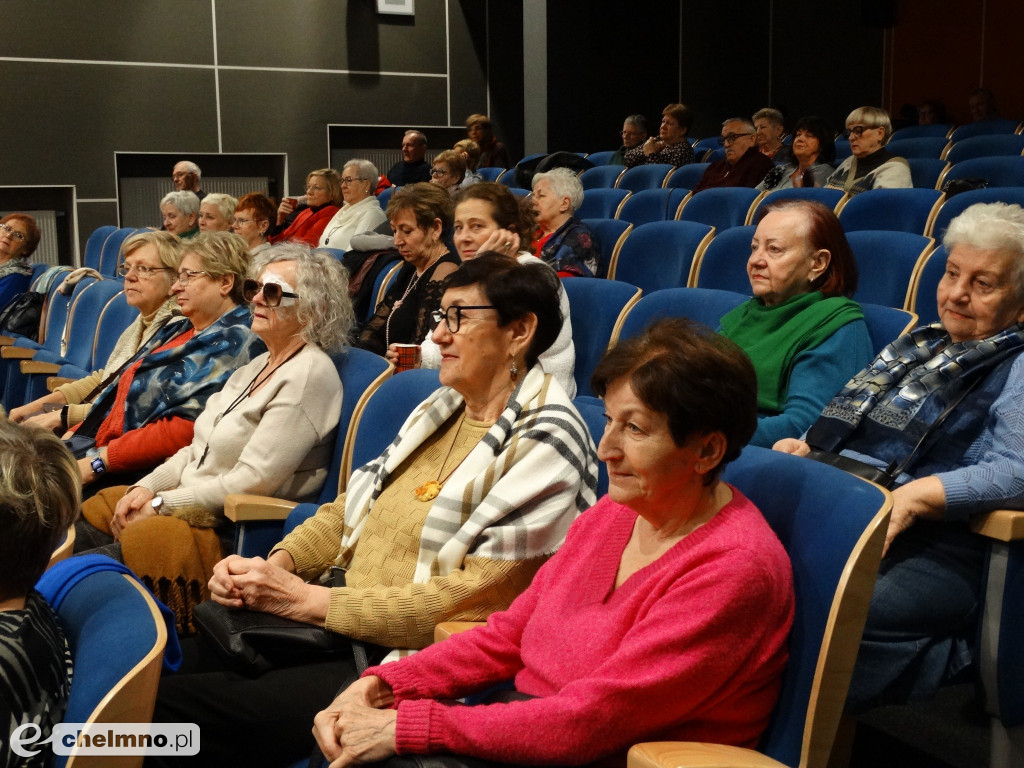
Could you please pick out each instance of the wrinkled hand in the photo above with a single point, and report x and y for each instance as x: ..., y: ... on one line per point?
x: 793, y: 446
x: 254, y: 583
x: 18, y: 415
x: 349, y: 733
x: 503, y: 241
x: 921, y: 498
x: 133, y: 506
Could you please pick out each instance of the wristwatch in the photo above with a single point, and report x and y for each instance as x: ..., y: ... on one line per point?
x: 96, y: 461
x: 157, y: 502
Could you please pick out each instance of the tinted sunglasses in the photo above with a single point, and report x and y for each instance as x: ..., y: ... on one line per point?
x: 272, y: 292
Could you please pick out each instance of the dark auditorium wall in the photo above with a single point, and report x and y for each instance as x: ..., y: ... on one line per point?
x: 85, y: 78
x: 944, y: 49
x: 721, y: 59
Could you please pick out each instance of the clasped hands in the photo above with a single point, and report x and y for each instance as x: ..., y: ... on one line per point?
x: 358, y: 726
x: 269, y: 586
x: 133, y: 506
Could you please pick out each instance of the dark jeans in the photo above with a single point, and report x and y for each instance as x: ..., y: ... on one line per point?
x: 922, y: 622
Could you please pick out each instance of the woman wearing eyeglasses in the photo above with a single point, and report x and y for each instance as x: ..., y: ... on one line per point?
x: 252, y: 220
x: 19, y: 237
x: 870, y: 166
x: 149, y: 265
x: 146, y: 408
x: 361, y: 211
x: 450, y: 522
x: 170, y: 525
x: 323, y: 197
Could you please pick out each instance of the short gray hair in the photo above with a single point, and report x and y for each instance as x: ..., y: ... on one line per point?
x: 772, y: 115
x: 191, y: 167
x: 367, y: 170
x: 324, y: 308
x: 991, y: 227
x: 747, y: 125
x: 421, y: 137
x: 564, y: 183
x: 226, y: 204
x: 184, y: 201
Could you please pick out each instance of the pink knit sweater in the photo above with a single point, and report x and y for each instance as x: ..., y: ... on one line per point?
x: 690, y: 647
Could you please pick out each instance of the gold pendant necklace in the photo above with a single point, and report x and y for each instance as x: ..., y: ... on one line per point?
x: 432, y: 488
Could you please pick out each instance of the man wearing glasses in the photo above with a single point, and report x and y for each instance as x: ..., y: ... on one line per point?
x: 743, y: 165
x: 412, y: 167
x: 186, y: 176
x: 634, y: 133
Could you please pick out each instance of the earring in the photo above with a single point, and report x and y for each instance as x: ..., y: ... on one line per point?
x: 512, y: 369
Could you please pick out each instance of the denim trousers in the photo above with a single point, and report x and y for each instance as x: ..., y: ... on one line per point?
x: 922, y: 622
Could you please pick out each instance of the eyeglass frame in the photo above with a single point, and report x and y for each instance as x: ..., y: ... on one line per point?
x: 189, y: 275
x: 271, y: 301
x: 858, y: 130
x: 141, y: 271
x: 442, y: 314
x: 347, y: 181
x: 731, y: 137
x: 19, y: 236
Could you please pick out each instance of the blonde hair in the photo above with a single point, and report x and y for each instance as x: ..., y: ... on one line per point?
x: 222, y: 253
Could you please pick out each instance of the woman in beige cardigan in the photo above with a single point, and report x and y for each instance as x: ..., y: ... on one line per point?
x: 149, y: 265
x: 270, y: 430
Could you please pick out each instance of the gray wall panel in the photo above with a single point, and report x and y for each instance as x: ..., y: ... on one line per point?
x: 468, y: 58
x: 75, y: 116
x: 327, y: 34
x: 305, y: 102
x: 109, y: 30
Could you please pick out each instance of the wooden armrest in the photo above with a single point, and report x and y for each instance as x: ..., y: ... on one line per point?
x: 446, y: 629
x: 52, y: 382
x: 37, y: 366
x: 1000, y: 524
x: 17, y: 353
x: 240, y: 507
x: 6, y: 341
x: 695, y: 754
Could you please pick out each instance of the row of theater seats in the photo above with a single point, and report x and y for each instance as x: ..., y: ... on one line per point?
x: 605, y: 310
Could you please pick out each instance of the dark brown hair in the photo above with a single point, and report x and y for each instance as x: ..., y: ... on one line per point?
x: 682, y: 113
x: 507, y: 210
x: 516, y: 290
x: 701, y: 381
x: 824, y: 231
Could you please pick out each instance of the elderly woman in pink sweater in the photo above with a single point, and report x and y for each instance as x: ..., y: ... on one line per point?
x: 664, y: 616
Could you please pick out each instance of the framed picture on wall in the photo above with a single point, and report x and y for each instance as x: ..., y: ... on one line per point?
x: 396, y: 7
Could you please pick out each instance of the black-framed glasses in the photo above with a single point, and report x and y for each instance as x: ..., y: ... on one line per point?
x: 437, y: 172
x: 452, y: 316
x: 272, y: 292
x: 856, y: 130
x: 19, y: 236
x: 141, y: 270
x: 731, y: 137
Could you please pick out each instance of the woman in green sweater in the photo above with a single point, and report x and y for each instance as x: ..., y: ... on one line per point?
x: 804, y: 334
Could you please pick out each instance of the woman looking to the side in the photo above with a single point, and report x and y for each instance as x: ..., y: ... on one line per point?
x: 180, y: 211
x: 564, y: 242
x: 19, y: 236
x: 801, y: 329
x: 215, y: 212
x: 149, y: 266
x: 323, y: 197
x: 670, y: 145
x: 361, y: 211
x: 490, y: 218
x: 252, y: 220
x: 665, y: 616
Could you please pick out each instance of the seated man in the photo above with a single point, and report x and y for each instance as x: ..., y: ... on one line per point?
x: 769, y: 128
x: 634, y: 133
x: 186, y: 176
x: 39, y: 497
x: 412, y: 167
x: 743, y: 166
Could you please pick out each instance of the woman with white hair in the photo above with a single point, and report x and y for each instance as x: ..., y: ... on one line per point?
x: 360, y: 212
x: 941, y: 410
x: 170, y: 525
x: 180, y: 211
x: 215, y: 212
x: 564, y: 242
x: 870, y: 166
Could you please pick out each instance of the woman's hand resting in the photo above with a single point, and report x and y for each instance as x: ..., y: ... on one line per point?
x: 357, y: 727
x: 252, y: 582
